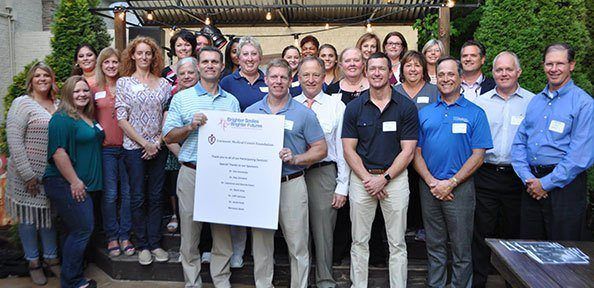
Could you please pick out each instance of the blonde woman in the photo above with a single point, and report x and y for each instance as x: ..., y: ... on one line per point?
x: 26, y: 133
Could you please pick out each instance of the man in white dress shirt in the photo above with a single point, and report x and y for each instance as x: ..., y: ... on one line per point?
x: 327, y: 181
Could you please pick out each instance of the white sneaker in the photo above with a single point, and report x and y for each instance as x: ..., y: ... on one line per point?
x: 145, y: 257
x: 236, y: 261
x: 160, y: 255
x: 206, y: 258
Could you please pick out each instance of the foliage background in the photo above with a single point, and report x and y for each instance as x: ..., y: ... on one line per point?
x: 72, y: 24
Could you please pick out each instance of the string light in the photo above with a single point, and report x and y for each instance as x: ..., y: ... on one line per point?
x: 150, y: 16
x: 268, y: 16
x: 451, y: 3
x: 207, y: 21
x: 369, y: 29
x: 327, y: 26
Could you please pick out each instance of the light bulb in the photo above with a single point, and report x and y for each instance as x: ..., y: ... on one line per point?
x: 207, y: 21
x: 327, y: 26
x: 451, y: 3
x: 369, y: 29
x: 268, y: 16
x: 150, y: 16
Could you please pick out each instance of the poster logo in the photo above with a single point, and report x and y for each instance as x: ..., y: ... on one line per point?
x: 212, y: 139
x: 223, y: 123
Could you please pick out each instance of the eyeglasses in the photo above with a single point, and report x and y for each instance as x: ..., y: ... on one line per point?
x: 393, y: 44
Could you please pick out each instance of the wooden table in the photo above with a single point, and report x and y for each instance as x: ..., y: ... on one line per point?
x: 520, y: 270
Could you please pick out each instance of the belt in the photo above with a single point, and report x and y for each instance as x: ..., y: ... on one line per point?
x: 377, y: 171
x: 505, y: 168
x: 189, y: 165
x: 542, y: 169
x: 291, y: 176
x: 321, y: 164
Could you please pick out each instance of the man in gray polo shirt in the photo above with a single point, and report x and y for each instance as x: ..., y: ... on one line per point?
x: 304, y: 144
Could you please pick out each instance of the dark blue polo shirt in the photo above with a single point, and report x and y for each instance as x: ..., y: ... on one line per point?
x: 448, y: 133
x: 379, y: 133
x: 240, y: 87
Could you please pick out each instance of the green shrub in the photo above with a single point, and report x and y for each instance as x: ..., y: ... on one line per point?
x: 16, y: 89
x: 526, y: 27
x: 73, y: 24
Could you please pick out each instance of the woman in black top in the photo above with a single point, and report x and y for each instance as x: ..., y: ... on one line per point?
x: 353, y: 82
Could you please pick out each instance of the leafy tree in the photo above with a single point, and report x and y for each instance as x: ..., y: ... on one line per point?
x: 428, y: 28
x: 73, y: 24
x: 527, y: 26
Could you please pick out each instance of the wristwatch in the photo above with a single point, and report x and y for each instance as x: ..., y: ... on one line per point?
x: 387, y: 177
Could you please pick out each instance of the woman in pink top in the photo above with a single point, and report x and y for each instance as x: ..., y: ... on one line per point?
x: 114, y: 170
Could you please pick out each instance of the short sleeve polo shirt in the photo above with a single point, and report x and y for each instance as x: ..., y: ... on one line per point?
x: 246, y: 93
x: 448, y: 133
x: 379, y: 132
x: 301, y: 128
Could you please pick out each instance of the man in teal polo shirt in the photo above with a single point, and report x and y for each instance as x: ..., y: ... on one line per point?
x: 304, y: 145
x: 181, y: 126
x: 453, y: 136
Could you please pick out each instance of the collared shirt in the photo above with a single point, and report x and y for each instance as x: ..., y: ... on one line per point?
x: 558, y: 130
x: 472, y: 90
x: 379, y: 132
x: 240, y: 87
x: 504, y: 118
x: 188, y: 102
x: 301, y: 128
x: 427, y: 95
x: 448, y: 133
x: 330, y: 112
x: 142, y: 106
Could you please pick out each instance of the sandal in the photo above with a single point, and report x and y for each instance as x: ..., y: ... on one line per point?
x: 54, y: 266
x: 37, y: 275
x: 113, y: 251
x: 173, y: 224
x: 127, y: 248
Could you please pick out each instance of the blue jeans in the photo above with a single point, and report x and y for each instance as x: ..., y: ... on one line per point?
x: 114, y: 170
x: 146, y: 176
x: 28, y: 234
x: 77, y: 218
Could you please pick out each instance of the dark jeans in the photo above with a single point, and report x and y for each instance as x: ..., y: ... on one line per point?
x: 414, y: 217
x: 454, y: 220
x: 497, y: 214
x: 561, y: 216
x: 77, y: 218
x: 114, y: 171
x: 146, y: 177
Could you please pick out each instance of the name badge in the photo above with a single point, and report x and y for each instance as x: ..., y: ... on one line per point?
x: 389, y: 126
x: 459, y: 128
x: 557, y: 126
x: 137, y: 88
x: 99, y: 127
x: 295, y: 84
x: 423, y: 99
x: 264, y: 89
x: 288, y: 125
x: 338, y: 95
x: 100, y: 95
x: 516, y: 120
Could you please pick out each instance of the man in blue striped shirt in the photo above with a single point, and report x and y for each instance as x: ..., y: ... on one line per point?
x: 181, y: 126
x: 552, y: 150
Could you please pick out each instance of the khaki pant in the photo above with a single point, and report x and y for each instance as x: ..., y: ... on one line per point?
x: 394, y: 208
x: 321, y: 183
x: 294, y: 221
x: 190, y: 237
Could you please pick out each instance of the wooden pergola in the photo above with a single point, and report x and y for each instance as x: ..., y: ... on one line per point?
x: 226, y: 13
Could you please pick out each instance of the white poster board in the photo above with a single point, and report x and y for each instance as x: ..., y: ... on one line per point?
x: 238, y: 169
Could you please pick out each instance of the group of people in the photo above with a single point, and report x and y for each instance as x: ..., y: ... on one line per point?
x: 443, y: 149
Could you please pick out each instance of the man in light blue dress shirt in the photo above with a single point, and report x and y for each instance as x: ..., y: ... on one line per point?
x: 182, y: 126
x: 552, y: 150
x: 498, y: 188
